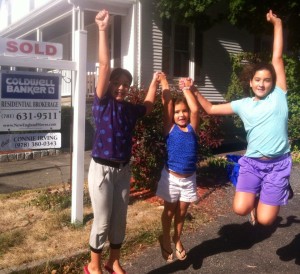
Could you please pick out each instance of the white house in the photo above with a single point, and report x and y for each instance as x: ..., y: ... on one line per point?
x: 140, y: 41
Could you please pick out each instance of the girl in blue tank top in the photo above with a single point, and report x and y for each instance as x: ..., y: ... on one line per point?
x: 177, y: 185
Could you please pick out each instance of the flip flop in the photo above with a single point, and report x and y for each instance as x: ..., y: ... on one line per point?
x: 167, y: 255
x: 179, y: 254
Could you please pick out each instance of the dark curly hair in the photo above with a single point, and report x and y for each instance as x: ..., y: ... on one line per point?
x: 249, y: 71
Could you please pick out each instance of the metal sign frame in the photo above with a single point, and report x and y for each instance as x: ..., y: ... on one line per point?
x: 79, y: 102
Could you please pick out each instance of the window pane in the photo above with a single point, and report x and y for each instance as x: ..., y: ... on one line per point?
x: 166, y: 60
x: 181, y: 64
x: 166, y: 54
x: 181, y: 37
x: 198, y: 53
x: 181, y: 51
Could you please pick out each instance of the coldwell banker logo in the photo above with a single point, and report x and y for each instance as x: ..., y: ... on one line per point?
x: 29, y: 86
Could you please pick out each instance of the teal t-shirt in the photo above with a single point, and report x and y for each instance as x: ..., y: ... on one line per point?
x: 265, y: 122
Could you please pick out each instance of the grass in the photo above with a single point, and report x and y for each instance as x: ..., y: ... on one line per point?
x: 35, y: 227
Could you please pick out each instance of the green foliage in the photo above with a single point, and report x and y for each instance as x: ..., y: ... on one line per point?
x: 249, y: 15
x: 148, y: 143
x: 56, y: 199
x: 218, y: 162
x: 296, y: 154
x: 188, y: 11
x: 292, y: 68
x: 49, y: 199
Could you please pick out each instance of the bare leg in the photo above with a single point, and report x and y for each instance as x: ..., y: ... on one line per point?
x: 180, y: 213
x: 267, y: 214
x: 94, y: 266
x: 113, y: 262
x: 166, y: 220
x: 243, y: 203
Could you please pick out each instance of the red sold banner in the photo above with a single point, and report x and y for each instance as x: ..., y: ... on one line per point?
x: 28, y: 48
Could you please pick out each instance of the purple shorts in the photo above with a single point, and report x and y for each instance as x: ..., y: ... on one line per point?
x: 268, y: 178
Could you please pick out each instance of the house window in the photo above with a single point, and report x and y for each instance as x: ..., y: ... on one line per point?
x: 182, y: 50
x: 176, y: 53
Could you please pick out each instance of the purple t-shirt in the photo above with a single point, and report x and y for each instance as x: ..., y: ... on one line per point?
x: 114, y: 122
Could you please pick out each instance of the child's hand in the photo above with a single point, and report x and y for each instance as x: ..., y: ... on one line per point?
x: 272, y: 18
x: 101, y: 19
x: 159, y: 77
x: 185, y: 83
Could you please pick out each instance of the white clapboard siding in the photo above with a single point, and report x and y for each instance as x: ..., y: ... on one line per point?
x: 214, y: 91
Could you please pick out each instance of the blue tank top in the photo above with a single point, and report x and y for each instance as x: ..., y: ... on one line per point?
x: 182, y: 150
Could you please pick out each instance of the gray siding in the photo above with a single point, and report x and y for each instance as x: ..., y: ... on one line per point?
x: 151, y: 42
x: 218, y: 43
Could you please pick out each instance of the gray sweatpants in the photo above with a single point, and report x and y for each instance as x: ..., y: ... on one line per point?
x: 109, y: 192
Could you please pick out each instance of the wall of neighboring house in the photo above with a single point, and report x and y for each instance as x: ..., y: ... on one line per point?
x: 128, y: 41
x: 151, y: 42
x: 218, y: 43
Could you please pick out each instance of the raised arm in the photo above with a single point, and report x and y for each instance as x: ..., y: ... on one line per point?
x: 101, y: 20
x: 185, y: 84
x: 167, y: 104
x: 212, y: 109
x: 277, y: 59
x: 150, y: 96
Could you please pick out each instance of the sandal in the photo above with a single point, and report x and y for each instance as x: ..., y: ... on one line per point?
x: 252, y: 217
x: 168, y: 256
x: 180, y: 254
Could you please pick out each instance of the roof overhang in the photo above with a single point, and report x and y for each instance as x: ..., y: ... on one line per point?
x: 56, y: 10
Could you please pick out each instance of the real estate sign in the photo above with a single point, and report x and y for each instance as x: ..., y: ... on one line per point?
x: 29, y: 101
x: 30, y: 141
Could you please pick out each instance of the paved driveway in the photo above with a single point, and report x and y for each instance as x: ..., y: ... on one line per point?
x: 230, y: 244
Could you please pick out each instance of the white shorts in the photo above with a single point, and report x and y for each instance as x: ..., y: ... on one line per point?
x: 172, y: 189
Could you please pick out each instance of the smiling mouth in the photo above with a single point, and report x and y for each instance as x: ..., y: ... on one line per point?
x: 118, y: 92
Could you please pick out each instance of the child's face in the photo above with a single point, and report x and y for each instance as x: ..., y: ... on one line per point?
x: 261, y: 83
x: 181, y: 114
x: 119, y: 87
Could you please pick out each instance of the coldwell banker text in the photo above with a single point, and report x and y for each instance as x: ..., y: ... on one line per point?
x: 27, y: 85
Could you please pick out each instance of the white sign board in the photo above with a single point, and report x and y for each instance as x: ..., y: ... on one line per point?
x: 28, y: 48
x: 29, y: 101
x: 30, y: 141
